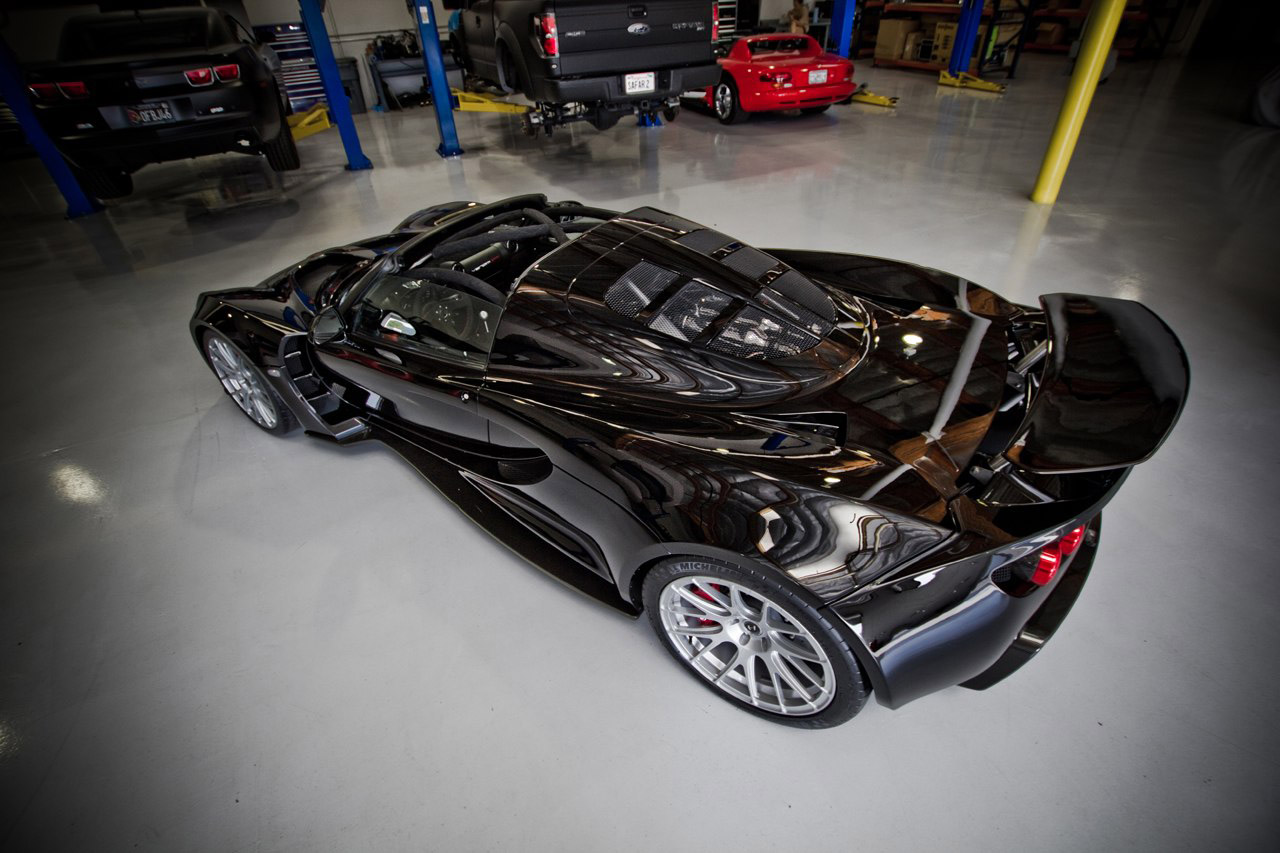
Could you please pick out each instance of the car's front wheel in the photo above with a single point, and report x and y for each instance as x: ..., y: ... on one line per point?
x: 246, y: 385
x: 754, y: 641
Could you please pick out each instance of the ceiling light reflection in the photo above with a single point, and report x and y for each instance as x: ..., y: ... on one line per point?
x: 77, y: 485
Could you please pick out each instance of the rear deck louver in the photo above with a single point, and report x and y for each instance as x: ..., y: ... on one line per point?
x: 639, y: 286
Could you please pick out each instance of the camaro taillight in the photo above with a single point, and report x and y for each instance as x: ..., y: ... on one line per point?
x: 200, y: 76
x: 43, y: 91
x: 74, y: 89
x: 225, y: 72
x: 1053, y: 555
x: 550, y: 40
x: 715, y: 22
x: 775, y: 77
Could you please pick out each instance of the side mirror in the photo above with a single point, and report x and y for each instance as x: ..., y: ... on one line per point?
x: 327, y: 327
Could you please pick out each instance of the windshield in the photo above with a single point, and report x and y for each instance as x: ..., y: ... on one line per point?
x: 427, y: 316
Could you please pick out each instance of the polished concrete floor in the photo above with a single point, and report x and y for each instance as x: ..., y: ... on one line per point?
x: 215, y: 640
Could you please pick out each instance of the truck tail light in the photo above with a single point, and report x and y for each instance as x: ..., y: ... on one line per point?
x: 226, y: 72
x: 43, y: 91
x: 200, y: 76
x: 775, y: 77
x: 715, y: 22
x: 1053, y: 555
x: 550, y: 38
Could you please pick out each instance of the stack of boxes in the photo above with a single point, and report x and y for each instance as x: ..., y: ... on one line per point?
x: 928, y: 38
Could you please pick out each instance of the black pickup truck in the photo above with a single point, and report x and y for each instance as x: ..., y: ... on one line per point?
x: 588, y: 59
x: 131, y: 88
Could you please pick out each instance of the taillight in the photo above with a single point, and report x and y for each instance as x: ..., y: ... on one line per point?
x: 550, y: 41
x: 715, y: 22
x: 226, y: 72
x: 775, y: 77
x: 1053, y: 555
x: 200, y: 76
x: 43, y: 91
x: 74, y: 89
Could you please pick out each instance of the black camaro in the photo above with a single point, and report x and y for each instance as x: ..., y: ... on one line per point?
x: 819, y: 473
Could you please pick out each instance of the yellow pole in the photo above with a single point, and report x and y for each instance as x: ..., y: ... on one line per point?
x: 1084, y: 80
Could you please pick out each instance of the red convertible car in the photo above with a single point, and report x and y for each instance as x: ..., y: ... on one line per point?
x: 778, y: 71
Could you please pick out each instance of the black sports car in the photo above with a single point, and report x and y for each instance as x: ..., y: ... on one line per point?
x: 819, y: 473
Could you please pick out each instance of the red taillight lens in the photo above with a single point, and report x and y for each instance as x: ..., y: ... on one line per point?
x: 226, y: 72
x: 74, y: 89
x: 43, y: 91
x: 200, y: 76
x: 715, y: 22
x: 1071, y: 541
x: 1052, y: 556
x: 775, y: 77
x: 550, y: 38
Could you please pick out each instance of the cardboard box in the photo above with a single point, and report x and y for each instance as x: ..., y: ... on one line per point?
x: 1049, y: 33
x: 944, y: 37
x: 892, y: 36
x: 911, y: 49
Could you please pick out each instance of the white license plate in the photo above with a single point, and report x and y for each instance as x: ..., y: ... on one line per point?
x: 149, y: 114
x: 640, y: 84
x: 816, y: 77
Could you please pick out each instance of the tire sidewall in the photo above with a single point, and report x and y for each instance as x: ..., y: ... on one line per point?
x: 851, y: 690
x: 735, y: 113
x: 284, y: 417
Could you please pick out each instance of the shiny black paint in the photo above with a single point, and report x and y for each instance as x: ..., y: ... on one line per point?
x: 876, y: 471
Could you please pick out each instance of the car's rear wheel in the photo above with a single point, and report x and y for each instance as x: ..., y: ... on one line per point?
x: 809, y: 111
x: 246, y: 385
x: 282, y: 152
x: 725, y: 101
x: 105, y: 183
x: 754, y: 641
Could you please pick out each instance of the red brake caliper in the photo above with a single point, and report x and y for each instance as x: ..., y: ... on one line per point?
x: 703, y: 594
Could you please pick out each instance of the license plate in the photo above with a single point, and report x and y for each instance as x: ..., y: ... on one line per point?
x: 640, y: 84
x: 816, y: 77
x: 149, y: 114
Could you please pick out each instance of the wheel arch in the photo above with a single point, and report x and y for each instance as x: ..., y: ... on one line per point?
x: 506, y: 39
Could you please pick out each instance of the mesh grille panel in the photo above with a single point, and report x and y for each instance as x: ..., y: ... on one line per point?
x: 705, y: 241
x: 632, y: 293
x: 754, y: 334
x: 800, y: 290
x: 800, y: 315
x: 691, y: 310
x: 752, y: 263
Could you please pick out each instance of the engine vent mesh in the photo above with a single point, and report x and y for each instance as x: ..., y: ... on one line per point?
x: 800, y: 290
x: 752, y: 263
x: 705, y: 240
x: 639, y: 286
x: 691, y: 310
x: 754, y: 334
x: 802, y: 316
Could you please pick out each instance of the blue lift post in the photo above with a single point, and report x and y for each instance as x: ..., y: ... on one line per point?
x: 441, y: 97
x: 842, y: 25
x: 339, y: 108
x: 14, y: 89
x: 966, y: 35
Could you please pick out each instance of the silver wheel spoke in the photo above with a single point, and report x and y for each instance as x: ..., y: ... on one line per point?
x: 747, y: 645
x: 241, y: 382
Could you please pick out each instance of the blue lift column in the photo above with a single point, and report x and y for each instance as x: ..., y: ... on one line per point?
x: 14, y: 90
x: 842, y: 25
x: 441, y: 97
x: 966, y: 35
x: 339, y: 108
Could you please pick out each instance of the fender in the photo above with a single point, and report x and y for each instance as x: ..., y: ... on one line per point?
x: 507, y: 38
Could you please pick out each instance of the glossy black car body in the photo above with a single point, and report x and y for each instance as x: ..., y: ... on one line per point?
x: 895, y: 443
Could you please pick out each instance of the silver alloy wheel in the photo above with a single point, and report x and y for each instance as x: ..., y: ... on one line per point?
x: 747, y: 645
x: 724, y: 100
x: 241, y: 382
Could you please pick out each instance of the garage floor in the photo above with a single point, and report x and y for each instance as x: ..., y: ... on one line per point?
x: 215, y: 640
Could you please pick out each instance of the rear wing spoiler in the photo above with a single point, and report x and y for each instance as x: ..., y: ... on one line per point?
x: 1114, y: 382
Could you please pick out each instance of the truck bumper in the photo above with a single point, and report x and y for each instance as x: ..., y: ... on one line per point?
x: 609, y: 89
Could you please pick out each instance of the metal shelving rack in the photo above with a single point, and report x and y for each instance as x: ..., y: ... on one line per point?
x: 1008, y: 24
